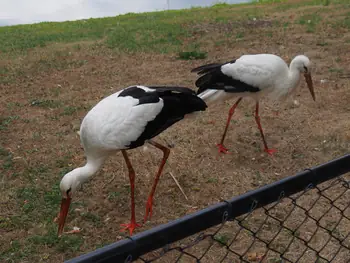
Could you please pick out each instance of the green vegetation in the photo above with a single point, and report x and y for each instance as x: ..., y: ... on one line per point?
x: 154, y: 31
x: 192, y: 55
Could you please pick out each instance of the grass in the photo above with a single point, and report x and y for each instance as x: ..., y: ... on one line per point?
x: 188, y: 55
x: 310, y: 21
x: 51, y: 74
x: 157, y: 31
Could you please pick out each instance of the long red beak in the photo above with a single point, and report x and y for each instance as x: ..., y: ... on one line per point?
x: 310, y: 85
x: 63, y: 214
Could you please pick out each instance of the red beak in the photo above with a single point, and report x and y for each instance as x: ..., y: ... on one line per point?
x: 63, y: 214
x: 310, y: 84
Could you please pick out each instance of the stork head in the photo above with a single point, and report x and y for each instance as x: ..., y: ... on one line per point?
x: 70, y: 183
x: 303, y: 65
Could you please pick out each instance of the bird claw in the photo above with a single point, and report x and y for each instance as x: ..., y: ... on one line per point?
x: 131, y: 226
x: 222, y: 149
x: 149, y: 206
x: 270, y: 151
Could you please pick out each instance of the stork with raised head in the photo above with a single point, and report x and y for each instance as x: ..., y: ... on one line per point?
x: 122, y: 121
x: 251, y: 76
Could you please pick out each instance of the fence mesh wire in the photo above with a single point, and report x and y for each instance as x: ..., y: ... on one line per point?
x: 310, y: 226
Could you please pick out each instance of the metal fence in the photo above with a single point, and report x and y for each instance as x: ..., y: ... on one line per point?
x: 302, y: 218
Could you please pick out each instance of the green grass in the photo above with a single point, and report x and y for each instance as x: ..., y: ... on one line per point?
x: 222, y: 239
x: 6, y: 158
x: 70, y: 110
x: 51, y: 104
x: 153, y: 31
x: 6, y: 121
x: 189, y: 55
x: 310, y: 21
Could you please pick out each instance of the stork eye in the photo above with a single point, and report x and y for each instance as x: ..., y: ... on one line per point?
x: 68, y: 191
x: 305, y: 68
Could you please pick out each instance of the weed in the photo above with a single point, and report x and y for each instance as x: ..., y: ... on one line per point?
x: 70, y: 110
x: 12, y: 105
x: 326, y: 2
x: 310, y: 21
x: 344, y: 23
x: 69, y: 243
x: 50, y: 239
x: 239, y: 35
x: 336, y: 70
x: 17, y: 252
x: 6, y: 121
x: 189, y: 55
x: 63, y: 162
x: 212, y: 180
x: 222, y: 239
x: 220, y: 5
x: 93, y: 218
x: 113, y: 195
x: 322, y: 43
x: 6, y: 158
x: 46, y: 103
x: 28, y: 197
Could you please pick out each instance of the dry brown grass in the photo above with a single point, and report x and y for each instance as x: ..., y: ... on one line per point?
x: 39, y: 142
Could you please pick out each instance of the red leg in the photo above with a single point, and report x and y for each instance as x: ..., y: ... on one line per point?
x: 257, y: 119
x: 221, y: 146
x: 166, y: 153
x: 133, y: 223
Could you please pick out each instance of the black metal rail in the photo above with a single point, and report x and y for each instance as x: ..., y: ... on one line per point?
x: 130, y: 249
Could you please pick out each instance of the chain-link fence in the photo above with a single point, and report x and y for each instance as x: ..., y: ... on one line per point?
x: 304, y: 218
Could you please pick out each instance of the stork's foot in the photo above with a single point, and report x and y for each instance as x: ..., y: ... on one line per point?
x: 149, y: 207
x: 130, y: 226
x: 270, y: 151
x: 222, y: 149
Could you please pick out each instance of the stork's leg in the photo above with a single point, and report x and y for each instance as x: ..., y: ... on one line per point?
x: 257, y: 119
x: 222, y: 148
x: 166, y: 153
x: 133, y: 223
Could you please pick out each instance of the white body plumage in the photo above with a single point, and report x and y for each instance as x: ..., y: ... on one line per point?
x: 115, y: 122
x: 267, y: 72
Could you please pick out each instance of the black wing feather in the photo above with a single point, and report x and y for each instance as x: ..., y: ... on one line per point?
x: 178, y: 101
x: 211, y: 77
x: 160, y: 89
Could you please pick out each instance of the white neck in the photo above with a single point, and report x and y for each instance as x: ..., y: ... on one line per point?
x: 89, y: 169
x: 293, y: 77
x: 289, y: 84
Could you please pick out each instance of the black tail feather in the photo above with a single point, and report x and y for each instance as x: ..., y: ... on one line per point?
x: 205, y: 68
x: 172, y: 89
x: 210, y: 67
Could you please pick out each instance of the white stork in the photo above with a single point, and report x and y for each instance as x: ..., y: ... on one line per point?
x: 251, y: 76
x: 122, y: 121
